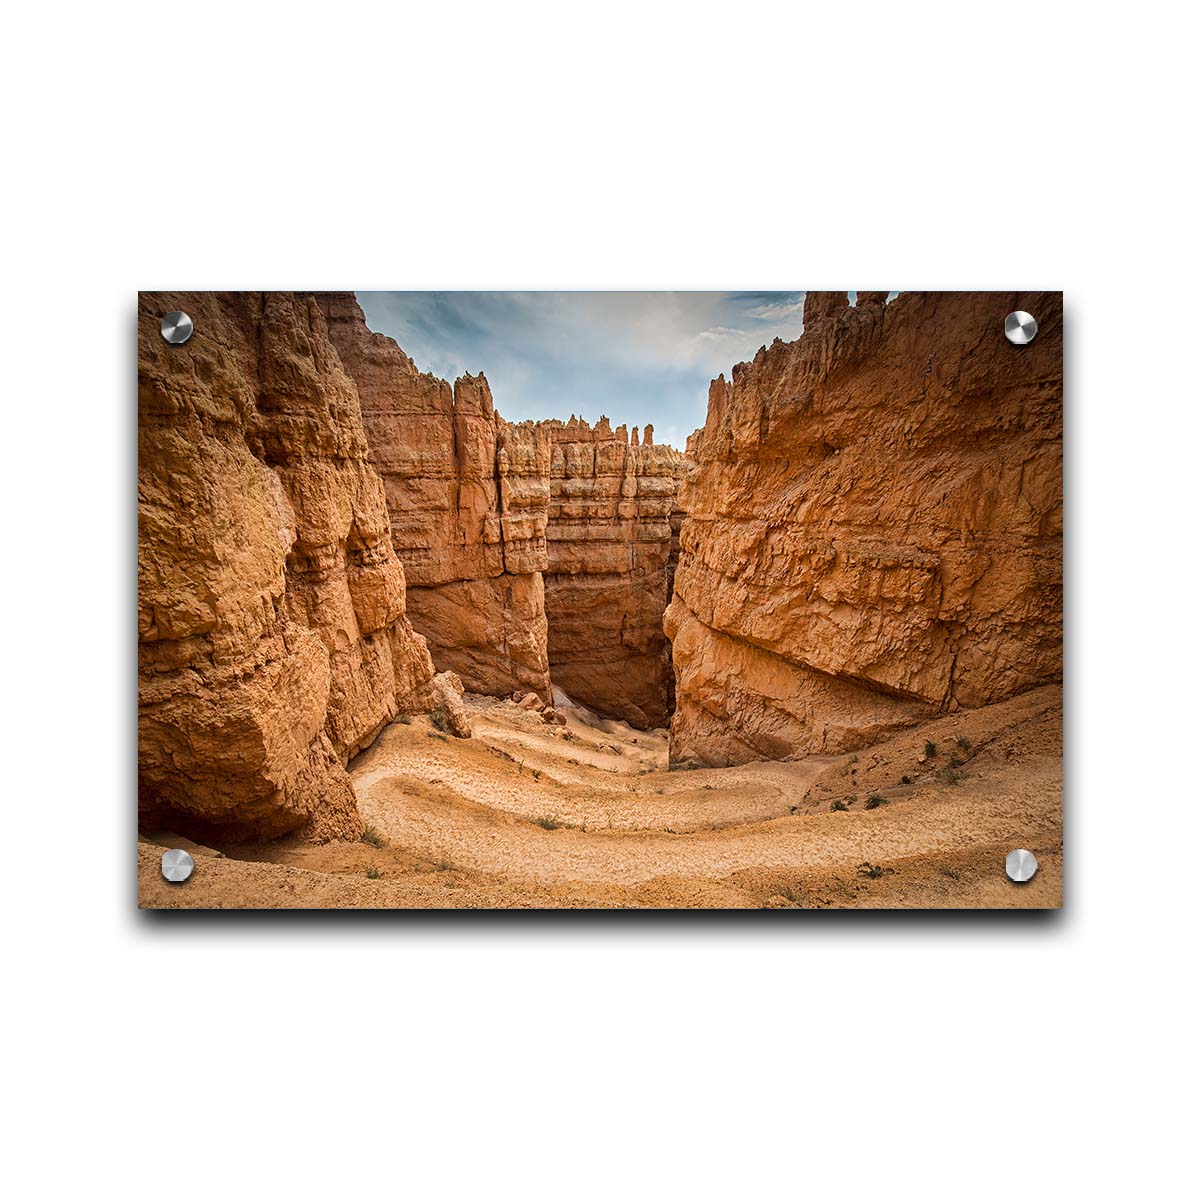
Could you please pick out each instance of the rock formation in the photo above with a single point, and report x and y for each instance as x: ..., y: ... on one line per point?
x: 273, y: 641
x: 874, y: 529
x: 467, y: 494
x: 450, y: 713
x: 609, y: 540
x: 530, y: 549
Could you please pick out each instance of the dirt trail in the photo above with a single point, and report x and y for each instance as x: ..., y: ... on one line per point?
x: 529, y: 814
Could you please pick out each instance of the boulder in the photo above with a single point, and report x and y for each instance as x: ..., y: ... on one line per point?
x: 448, y: 703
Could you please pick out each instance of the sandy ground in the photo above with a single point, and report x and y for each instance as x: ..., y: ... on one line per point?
x: 587, y: 815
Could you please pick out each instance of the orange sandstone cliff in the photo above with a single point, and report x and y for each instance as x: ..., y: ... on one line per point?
x: 874, y: 528
x: 273, y: 641
x: 467, y: 494
x: 608, y: 581
x: 531, y: 550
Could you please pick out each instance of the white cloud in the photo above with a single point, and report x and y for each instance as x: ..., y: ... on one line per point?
x: 633, y: 356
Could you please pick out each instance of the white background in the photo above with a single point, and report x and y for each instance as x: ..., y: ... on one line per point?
x: 688, y: 145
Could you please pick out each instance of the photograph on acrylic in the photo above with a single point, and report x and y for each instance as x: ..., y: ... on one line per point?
x: 641, y: 600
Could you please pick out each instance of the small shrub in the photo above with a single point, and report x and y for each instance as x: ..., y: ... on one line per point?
x: 404, y: 719
x: 962, y: 743
x: 870, y: 870
x: 905, y: 779
x: 439, y: 719
x: 688, y: 765
x: 444, y: 866
x: 930, y: 750
x: 548, y: 822
x: 950, y: 775
x: 374, y: 873
x: 372, y: 837
x: 839, y: 806
x: 955, y: 761
x: 874, y: 801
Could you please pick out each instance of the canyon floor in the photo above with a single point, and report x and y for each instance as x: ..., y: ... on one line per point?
x: 530, y: 815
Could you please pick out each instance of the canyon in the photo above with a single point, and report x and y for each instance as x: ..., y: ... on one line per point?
x: 531, y: 550
x: 340, y: 552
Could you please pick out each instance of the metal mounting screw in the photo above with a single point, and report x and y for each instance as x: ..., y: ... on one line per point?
x: 176, y: 328
x: 177, y: 866
x: 1020, y: 866
x: 1020, y: 328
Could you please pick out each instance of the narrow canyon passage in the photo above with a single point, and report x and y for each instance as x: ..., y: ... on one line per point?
x: 845, y: 599
x: 535, y: 552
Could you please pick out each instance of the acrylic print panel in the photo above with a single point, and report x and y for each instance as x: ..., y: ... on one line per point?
x: 642, y: 600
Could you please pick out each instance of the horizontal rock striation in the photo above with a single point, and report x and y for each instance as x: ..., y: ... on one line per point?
x: 467, y: 493
x: 874, y: 529
x: 608, y: 580
x: 273, y: 640
x: 530, y: 549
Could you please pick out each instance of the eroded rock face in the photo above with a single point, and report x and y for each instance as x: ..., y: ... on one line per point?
x: 608, y: 579
x: 273, y: 641
x: 467, y: 494
x: 874, y: 530
x: 530, y: 549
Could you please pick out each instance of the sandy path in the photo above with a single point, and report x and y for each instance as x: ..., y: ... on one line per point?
x: 528, y: 814
x: 462, y: 804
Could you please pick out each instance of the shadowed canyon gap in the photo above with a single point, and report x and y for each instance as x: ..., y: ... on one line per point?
x: 872, y: 539
x: 611, y: 565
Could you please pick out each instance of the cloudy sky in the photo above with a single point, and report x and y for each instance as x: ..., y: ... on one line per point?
x: 631, y: 356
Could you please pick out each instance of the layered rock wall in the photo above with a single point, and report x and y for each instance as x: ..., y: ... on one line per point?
x: 531, y: 549
x: 273, y: 640
x: 608, y: 579
x: 874, y: 529
x: 467, y: 495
